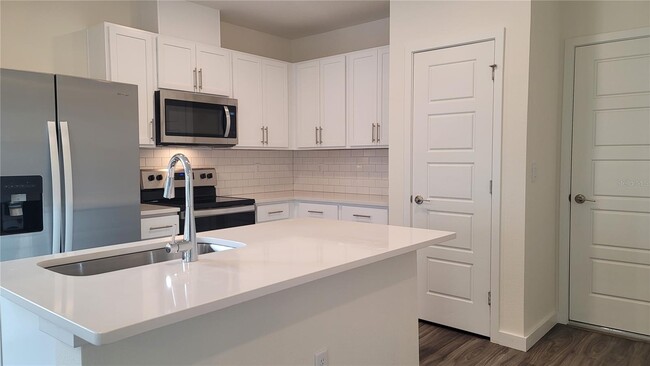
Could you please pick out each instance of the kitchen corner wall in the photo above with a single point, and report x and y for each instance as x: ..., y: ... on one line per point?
x: 259, y: 171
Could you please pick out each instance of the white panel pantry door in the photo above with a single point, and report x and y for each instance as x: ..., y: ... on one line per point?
x: 610, y: 238
x: 452, y: 170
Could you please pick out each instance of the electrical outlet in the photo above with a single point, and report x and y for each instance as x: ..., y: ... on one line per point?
x: 320, y: 358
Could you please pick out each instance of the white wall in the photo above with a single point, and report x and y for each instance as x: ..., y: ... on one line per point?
x: 248, y: 40
x: 186, y: 20
x: 354, y: 38
x: 32, y: 30
x: 583, y: 18
x: 438, y: 22
x: 544, y: 114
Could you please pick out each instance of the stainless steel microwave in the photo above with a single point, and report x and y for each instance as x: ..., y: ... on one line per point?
x: 184, y: 118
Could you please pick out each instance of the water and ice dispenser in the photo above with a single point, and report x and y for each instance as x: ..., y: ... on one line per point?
x: 21, y: 200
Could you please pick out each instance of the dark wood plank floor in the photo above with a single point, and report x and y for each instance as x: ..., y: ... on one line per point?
x: 563, y: 345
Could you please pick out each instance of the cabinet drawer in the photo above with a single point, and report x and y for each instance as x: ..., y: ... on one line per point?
x: 158, y: 227
x: 277, y: 211
x: 318, y: 210
x: 364, y: 214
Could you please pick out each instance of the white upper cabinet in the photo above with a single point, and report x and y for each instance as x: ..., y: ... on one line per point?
x: 367, y: 98
x: 126, y: 55
x: 247, y: 89
x: 194, y: 67
x: 307, y: 103
x: 320, y: 103
x: 260, y: 86
x: 362, y: 98
x: 214, y: 70
x: 332, y: 107
x: 275, y: 101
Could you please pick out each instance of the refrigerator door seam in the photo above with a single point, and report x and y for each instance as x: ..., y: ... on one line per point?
x: 67, y: 175
x: 56, y: 187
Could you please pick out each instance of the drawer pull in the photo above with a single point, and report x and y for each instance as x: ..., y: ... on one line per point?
x: 315, y: 212
x: 160, y: 227
x: 362, y: 216
x: 275, y: 212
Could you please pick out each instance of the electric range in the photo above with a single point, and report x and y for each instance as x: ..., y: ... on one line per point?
x: 211, y: 212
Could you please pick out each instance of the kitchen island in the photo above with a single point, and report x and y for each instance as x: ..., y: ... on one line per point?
x: 298, y: 287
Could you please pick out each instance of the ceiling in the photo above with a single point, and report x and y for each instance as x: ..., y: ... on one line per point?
x: 296, y: 19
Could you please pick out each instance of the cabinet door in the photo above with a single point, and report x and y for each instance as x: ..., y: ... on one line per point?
x: 214, y: 71
x: 176, y: 64
x: 272, y: 212
x: 383, y: 71
x: 131, y: 60
x: 307, y: 103
x: 332, y: 105
x: 275, y: 97
x: 362, y: 98
x: 247, y: 89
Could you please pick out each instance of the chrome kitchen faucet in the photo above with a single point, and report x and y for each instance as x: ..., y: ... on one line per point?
x: 188, y: 245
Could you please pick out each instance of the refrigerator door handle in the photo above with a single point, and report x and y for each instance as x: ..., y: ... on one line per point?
x: 67, y: 181
x: 56, y: 187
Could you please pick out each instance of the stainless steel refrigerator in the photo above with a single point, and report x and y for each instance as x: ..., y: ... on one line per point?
x: 69, y: 164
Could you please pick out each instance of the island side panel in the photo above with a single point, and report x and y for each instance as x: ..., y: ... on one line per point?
x: 365, y: 316
x: 23, y: 343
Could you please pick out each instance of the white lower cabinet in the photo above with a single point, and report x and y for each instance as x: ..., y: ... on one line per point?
x: 332, y: 211
x: 318, y: 210
x: 158, y: 227
x: 272, y: 212
x: 364, y: 214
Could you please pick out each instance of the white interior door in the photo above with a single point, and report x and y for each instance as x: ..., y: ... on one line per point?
x: 610, y: 238
x: 452, y: 169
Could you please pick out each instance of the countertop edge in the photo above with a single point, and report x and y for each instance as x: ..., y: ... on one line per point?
x: 99, y: 339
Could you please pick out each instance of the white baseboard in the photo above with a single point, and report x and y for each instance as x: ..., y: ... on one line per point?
x: 541, y: 329
x: 524, y: 343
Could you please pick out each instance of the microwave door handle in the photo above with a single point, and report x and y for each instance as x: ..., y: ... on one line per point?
x: 225, y: 108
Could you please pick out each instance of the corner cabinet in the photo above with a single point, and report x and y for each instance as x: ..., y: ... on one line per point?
x: 260, y: 86
x: 320, y: 103
x: 127, y: 55
x: 367, y: 98
x: 194, y: 67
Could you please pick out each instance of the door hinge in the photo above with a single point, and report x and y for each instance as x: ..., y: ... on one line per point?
x: 489, y: 298
x: 490, y: 186
x: 494, y: 67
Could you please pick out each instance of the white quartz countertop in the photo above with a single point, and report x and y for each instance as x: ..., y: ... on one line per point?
x: 108, y: 307
x: 325, y: 197
x: 147, y: 210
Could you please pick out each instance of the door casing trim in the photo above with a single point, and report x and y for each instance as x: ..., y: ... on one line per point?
x: 570, y: 46
x: 411, y: 48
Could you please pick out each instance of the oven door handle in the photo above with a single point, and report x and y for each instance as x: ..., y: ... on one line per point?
x: 225, y: 108
x: 220, y: 211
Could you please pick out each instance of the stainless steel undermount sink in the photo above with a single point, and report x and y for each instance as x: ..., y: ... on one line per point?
x: 123, y: 261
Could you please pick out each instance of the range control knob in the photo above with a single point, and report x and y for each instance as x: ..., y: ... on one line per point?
x: 209, y: 175
x: 150, y: 178
x: 159, y: 177
x: 202, y: 175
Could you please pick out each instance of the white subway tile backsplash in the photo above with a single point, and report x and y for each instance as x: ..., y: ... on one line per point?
x: 362, y: 171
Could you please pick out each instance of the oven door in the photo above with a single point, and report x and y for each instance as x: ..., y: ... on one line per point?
x: 221, y: 218
x: 195, y: 119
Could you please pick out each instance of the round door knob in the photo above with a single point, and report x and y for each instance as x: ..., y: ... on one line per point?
x: 580, y: 198
x: 419, y: 200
